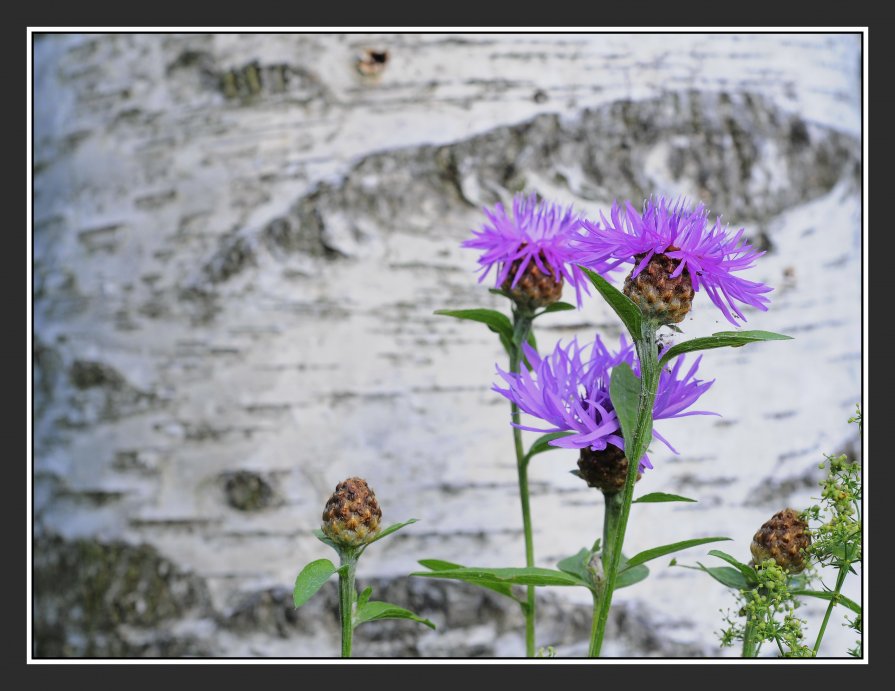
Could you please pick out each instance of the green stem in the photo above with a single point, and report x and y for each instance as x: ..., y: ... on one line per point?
x: 598, y: 602
x: 840, y: 579
x: 647, y: 353
x: 346, y: 600
x: 749, y: 647
x: 611, y: 515
x: 521, y: 329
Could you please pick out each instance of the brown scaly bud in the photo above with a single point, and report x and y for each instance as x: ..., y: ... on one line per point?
x: 661, y: 298
x: 535, y: 288
x: 351, y: 517
x: 784, y: 539
x: 606, y: 470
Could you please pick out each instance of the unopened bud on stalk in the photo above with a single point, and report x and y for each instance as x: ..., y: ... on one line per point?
x: 606, y: 470
x: 660, y: 297
x: 535, y: 288
x: 351, y: 517
x: 784, y: 538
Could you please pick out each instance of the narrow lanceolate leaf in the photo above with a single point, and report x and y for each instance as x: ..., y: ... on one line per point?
x: 657, y: 552
x: 395, y: 527
x: 726, y: 575
x: 829, y: 595
x: 371, y: 611
x: 498, y: 322
x: 722, y: 339
x: 655, y: 497
x: 747, y: 571
x: 542, y: 443
x: 521, y: 576
x: 556, y: 307
x: 624, y: 392
x: 311, y: 579
x: 626, y: 310
x: 502, y: 588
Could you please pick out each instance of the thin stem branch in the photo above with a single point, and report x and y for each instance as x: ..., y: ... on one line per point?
x: 521, y: 329
x: 840, y: 579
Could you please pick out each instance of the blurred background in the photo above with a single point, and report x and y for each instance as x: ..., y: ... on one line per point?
x: 239, y: 241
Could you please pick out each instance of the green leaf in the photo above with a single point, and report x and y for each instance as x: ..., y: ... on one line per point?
x: 747, y: 571
x: 372, y: 611
x: 624, y: 392
x: 733, y: 339
x: 630, y: 576
x: 498, y: 322
x: 439, y: 564
x: 364, y: 596
x: 656, y: 552
x: 511, y: 576
x: 726, y: 575
x: 576, y: 565
x: 654, y: 497
x: 626, y: 310
x: 542, y: 443
x: 507, y: 344
x: 556, y: 307
x: 320, y: 535
x: 395, y: 527
x: 828, y: 595
x: 501, y: 588
x: 311, y: 579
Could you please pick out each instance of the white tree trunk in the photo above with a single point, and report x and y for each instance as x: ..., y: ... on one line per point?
x: 239, y: 241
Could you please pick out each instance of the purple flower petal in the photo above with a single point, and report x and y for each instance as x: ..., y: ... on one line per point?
x: 569, y: 390
x: 707, y: 252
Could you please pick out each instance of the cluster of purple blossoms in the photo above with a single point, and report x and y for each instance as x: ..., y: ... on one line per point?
x: 535, y: 236
x: 705, y: 253
x: 570, y: 392
x: 676, y: 251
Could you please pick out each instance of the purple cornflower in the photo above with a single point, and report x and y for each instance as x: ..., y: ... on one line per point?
x: 570, y: 392
x: 535, y: 237
x: 688, y: 245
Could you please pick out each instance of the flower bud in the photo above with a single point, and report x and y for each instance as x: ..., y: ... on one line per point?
x: 660, y: 297
x: 534, y: 288
x: 351, y: 517
x: 784, y: 538
x: 606, y: 470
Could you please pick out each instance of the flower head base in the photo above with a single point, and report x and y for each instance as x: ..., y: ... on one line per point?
x: 784, y: 538
x: 352, y: 514
x: 569, y: 390
x: 687, y: 246
x: 532, y: 288
x: 531, y: 246
x: 607, y: 470
x: 660, y: 295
